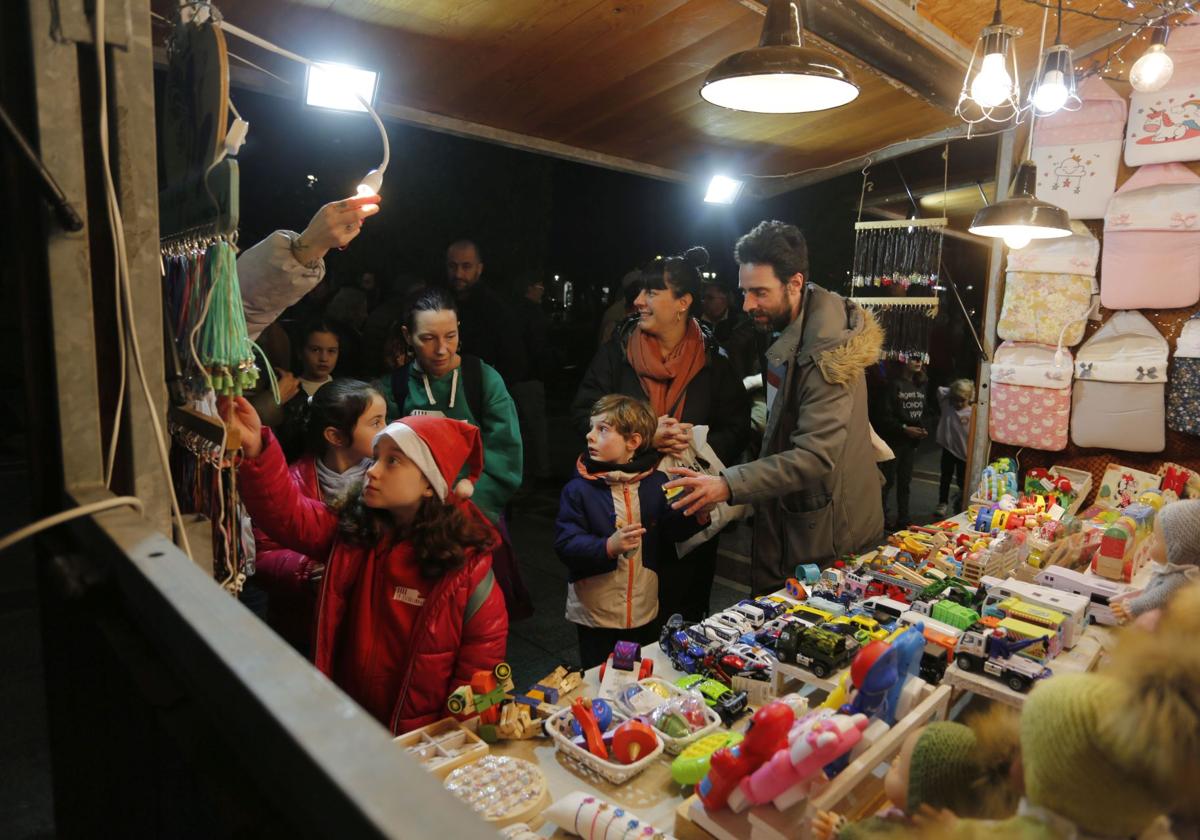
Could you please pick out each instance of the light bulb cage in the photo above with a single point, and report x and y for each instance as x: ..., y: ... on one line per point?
x: 1058, y: 59
x: 996, y: 38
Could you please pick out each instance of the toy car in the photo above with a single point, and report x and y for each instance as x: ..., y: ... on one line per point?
x: 833, y: 607
x: 821, y: 651
x: 683, y: 650
x: 812, y: 614
x: 728, y: 704
x: 624, y: 665
x: 731, y: 618
x: 707, y: 632
x: 772, y: 607
x: 864, y: 629
x: 751, y: 612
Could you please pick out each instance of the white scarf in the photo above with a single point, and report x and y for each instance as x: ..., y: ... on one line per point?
x: 333, y: 484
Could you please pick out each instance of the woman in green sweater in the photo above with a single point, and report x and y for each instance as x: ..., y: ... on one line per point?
x: 442, y: 382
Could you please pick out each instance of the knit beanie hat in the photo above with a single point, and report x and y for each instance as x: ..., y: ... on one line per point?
x: 440, y: 447
x: 1180, y: 524
x: 1070, y: 763
x: 944, y: 764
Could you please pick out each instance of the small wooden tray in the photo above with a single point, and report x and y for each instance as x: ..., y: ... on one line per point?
x: 442, y: 746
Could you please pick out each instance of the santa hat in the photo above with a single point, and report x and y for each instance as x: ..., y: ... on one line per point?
x: 440, y: 448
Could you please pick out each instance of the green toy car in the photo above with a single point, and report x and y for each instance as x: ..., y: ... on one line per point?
x: 727, y: 703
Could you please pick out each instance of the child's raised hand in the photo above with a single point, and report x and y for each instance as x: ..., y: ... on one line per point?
x: 240, y: 416
x: 625, y: 538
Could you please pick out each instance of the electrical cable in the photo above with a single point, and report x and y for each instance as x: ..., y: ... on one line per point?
x: 67, y: 515
x: 308, y: 62
x: 114, y: 215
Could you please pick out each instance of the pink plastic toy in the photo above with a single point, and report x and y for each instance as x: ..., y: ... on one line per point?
x: 811, y: 745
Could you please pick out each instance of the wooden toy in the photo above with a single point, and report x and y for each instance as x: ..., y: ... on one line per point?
x: 631, y: 740
x: 582, y: 710
x: 442, y: 746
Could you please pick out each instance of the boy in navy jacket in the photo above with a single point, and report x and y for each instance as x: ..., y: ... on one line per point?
x: 610, y: 519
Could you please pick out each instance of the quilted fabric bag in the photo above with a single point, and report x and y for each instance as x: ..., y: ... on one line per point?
x: 1183, y: 392
x: 1152, y: 240
x: 1078, y: 152
x: 1048, y: 289
x: 1031, y: 396
x: 1119, y: 398
x: 1164, y: 125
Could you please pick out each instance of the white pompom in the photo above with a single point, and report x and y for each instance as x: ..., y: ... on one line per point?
x: 464, y: 489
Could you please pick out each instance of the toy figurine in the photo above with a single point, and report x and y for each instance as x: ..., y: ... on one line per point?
x: 1175, y: 549
x: 817, y: 741
x: 873, y: 673
x: 765, y: 736
x: 967, y: 769
x: 909, y: 647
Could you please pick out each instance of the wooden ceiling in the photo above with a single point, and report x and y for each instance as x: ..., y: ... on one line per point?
x: 618, y: 79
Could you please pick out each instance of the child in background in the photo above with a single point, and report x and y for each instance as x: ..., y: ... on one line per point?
x: 957, y: 404
x: 320, y: 346
x: 898, y: 416
x: 408, y: 608
x: 610, y: 519
x: 340, y: 423
x: 971, y: 769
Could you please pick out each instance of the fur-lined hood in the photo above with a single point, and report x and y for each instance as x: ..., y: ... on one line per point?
x: 838, y: 335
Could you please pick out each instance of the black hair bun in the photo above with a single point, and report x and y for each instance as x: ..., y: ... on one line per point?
x: 696, y: 256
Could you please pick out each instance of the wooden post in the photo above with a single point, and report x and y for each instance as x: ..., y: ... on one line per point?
x: 979, y: 444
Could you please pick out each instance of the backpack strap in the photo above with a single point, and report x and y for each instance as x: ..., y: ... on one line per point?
x: 400, y: 387
x: 472, y: 382
x: 480, y: 594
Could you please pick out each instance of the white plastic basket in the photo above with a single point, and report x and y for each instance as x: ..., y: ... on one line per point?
x: 674, y: 746
x: 559, y: 727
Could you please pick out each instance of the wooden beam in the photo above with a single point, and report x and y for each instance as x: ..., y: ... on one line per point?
x: 769, y: 188
x: 892, y: 40
x: 247, y: 77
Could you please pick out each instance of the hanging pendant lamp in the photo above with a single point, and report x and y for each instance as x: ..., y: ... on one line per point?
x: 1021, y: 217
x: 780, y: 75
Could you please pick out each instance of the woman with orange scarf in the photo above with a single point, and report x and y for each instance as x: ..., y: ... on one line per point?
x: 664, y: 356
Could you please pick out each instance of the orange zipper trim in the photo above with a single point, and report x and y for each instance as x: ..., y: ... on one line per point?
x: 629, y: 585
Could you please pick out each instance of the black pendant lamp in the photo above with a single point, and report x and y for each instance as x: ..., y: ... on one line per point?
x: 1022, y: 217
x: 780, y: 75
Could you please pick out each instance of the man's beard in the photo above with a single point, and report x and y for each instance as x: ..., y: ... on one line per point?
x: 775, y: 322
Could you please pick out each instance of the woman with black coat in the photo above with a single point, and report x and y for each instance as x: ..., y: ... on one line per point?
x: 665, y: 357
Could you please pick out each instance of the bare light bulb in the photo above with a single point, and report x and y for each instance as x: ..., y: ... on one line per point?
x: 992, y: 85
x: 1052, y: 93
x: 1153, y: 70
x: 1016, y: 241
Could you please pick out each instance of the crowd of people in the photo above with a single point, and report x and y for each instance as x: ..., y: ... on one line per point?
x: 380, y: 493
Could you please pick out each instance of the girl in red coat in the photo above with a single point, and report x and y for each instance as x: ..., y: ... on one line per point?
x: 340, y: 422
x: 408, y: 609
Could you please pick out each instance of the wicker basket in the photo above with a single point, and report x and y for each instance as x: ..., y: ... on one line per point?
x: 559, y: 727
x: 674, y: 746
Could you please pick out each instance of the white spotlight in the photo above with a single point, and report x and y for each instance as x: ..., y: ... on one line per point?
x: 723, y: 190
x: 335, y: 86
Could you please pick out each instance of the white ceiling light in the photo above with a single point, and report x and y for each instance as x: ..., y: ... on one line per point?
x: 340, y: 87
x: 723, y: 190
x: 1153, y: 70
x: 780, y: 75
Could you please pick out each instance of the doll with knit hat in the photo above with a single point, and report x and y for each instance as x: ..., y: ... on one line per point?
x: 966, y: 768
x: 408, y: 609
x: 1175, y: 550
x: 1107, y: 754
